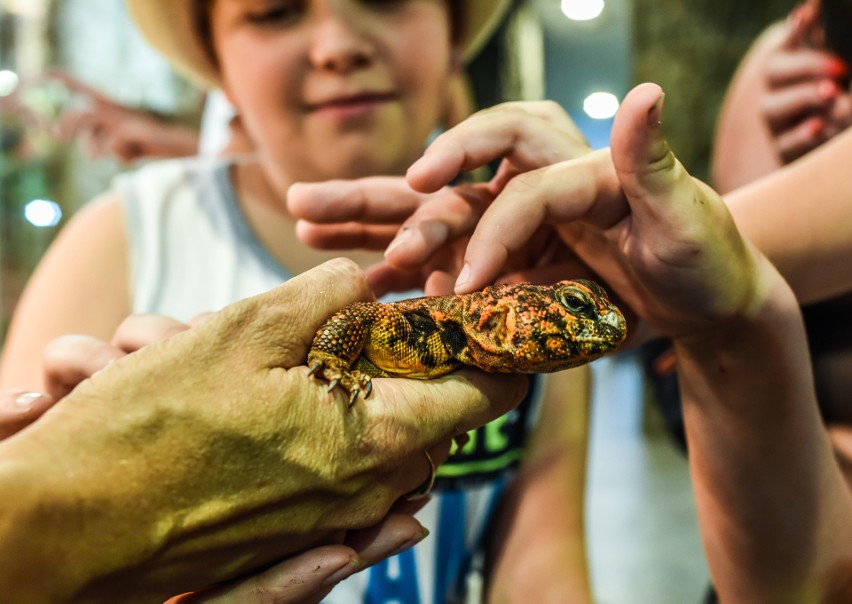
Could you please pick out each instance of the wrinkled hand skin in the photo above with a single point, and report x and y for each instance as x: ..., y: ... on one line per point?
x: 518, y: 328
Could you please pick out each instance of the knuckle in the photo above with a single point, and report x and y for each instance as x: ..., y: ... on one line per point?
x: 140, y: 330
x: 383, y: 439
x: 525, y: 183
x: 550, y: 108
x: 70, y: 350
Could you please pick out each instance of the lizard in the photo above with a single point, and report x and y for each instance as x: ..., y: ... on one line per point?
x: 516, y: 328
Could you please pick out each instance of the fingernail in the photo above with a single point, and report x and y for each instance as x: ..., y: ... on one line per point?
x: 418, y: 165
x: 464, y: 276
x: 656, y: 110
x: 837, y: 68
x: 403, y: 237
x: 413, y: 167
x: 815, y: 127
x: 344, y: 572
x: 827, y: 90
x: 410, y: 543
x: 412, y: 507
x: 28, y: 399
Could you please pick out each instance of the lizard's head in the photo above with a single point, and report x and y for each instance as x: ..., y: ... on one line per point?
x: 538, y: 329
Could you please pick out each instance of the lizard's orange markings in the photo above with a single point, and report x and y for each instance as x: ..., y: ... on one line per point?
x: 520, y: 328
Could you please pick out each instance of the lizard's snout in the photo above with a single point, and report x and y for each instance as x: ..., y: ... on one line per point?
x: 614, y: 325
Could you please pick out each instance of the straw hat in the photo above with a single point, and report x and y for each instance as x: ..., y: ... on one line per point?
x: 169, y: 26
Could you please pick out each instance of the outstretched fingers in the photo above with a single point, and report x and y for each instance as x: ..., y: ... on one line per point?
x: 375, y: 199
x: 527, y: 135
x: 363, y: 213
x: 448, y: 216
x: 346, y: 214
x: 584, y: 189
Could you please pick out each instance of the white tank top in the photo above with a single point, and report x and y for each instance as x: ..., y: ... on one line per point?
x: 191, y: 249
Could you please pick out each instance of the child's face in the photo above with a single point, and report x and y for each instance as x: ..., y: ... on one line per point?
x: 335, y: 88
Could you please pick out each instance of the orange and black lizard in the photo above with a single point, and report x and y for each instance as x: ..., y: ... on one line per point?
x: 520, y: 328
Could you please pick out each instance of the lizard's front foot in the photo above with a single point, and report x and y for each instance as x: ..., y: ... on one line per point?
x: 338, y: 373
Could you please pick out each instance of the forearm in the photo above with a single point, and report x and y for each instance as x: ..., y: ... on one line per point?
x: 26, y: 575
x: 800, y: 217
x: 541, y: 555
x: 70, y: 522
x: 54, y: 543
x: 773, y: 507
x: 109, y: 503
x: 539, y: 545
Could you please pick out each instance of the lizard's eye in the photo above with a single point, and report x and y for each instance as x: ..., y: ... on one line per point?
x: 578, y: 303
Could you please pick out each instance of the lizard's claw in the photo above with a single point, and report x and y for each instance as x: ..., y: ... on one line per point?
x: 339, y: 374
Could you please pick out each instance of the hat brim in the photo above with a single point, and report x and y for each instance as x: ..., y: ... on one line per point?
x: 169, y: 26
x: 481, y: 18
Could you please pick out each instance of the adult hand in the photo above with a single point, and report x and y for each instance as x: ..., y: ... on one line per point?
x: 807, y: 99
x: 304, y: 577
x: 213, y: 455
x: 368, y: 212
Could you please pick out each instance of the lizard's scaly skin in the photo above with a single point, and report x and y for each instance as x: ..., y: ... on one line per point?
x: 518, y: 328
